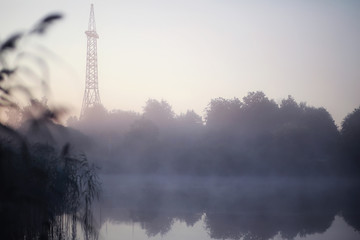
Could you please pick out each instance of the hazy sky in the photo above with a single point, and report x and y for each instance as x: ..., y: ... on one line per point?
x: 188, y: 52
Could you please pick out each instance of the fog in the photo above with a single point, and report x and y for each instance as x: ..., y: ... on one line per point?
x: 251, y: 168
x: 251, y: 136
x: 232, y: 208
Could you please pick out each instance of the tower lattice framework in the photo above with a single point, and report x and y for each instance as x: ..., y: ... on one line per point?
x: 91, y: 94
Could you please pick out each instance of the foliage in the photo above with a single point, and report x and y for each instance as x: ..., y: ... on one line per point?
x: 254, y: 135
x: 160, y: 112
x: 220, y: 111
x: 44, y: 194
x: 350, y: 135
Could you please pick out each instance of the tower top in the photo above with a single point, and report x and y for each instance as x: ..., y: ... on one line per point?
x: 92, y: 26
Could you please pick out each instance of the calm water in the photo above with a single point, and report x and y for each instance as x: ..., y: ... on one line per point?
x: 163, y: 207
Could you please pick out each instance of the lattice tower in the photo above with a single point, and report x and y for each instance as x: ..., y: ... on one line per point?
x: 91, y: 94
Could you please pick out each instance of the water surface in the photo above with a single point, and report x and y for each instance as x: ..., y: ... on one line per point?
x: 185, y: 207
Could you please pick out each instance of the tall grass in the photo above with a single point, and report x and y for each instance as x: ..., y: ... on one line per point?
x: 45, y: 192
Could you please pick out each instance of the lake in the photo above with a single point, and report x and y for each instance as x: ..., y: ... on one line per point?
x: 188, y: 207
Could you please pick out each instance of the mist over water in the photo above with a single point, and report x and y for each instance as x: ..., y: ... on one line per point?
x: 228, y: 207
x: 253, y: 169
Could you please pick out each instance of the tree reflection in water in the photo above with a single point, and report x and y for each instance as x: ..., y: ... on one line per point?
x: 233, y: 208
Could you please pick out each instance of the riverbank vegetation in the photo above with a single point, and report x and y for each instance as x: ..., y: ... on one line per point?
x: 46, y: 188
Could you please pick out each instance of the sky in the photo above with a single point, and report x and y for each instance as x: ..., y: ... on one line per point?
x: 189, y: 52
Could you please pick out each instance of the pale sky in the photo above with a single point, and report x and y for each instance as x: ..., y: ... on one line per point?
x: 188, y: 52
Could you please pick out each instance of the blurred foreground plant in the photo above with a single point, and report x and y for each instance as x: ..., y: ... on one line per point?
x: 44, y: 193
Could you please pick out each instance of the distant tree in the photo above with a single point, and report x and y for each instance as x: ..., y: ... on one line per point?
x: 190, y: 118
x: 289, y: 103
x: 259, y: 114
x: 160, y: 113
x: 143, y: 130
x: 121, y: 121
x: 94, y: 120
x: 350, y: 129
x: 306, y: 139
x: 95, y: 113
x: 290, y: 109
x: 141, y: 147
x: 254, y: 98
x: 221, y: 112
x: 350, y: 135
x: 291, y: 113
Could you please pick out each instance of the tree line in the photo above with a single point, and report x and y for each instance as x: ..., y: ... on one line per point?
x: 251, y: 136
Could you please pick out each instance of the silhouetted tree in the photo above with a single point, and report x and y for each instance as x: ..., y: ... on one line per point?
x: 190, y: 118
x: 188, y: 126
x: 160, y: 113
x: 121, y: 121
x: 259, y: 114
x: 253, y: 136
x: 350, y: 135
x: 221, y: 112
x: 95, y: 114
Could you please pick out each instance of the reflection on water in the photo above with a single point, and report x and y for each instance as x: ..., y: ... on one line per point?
x: 180, y: 230
x: 228, y: 208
